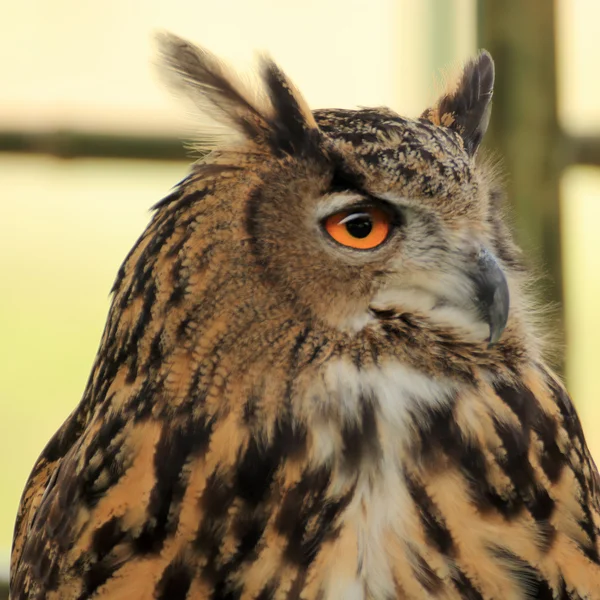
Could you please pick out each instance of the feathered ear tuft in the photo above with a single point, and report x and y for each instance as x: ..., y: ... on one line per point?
x: 214, y: 88
x: 292, y: 119
x: 467, y: 108
x: 276, y: 115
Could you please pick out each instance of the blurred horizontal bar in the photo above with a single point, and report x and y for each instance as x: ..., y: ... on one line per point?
x: 80, y: 144
x: 71, y: 144
x: 583, y: 150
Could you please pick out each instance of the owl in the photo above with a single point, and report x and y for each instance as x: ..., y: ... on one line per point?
x: 319, y: 378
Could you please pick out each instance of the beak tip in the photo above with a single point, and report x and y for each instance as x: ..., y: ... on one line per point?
x: 495, y: 335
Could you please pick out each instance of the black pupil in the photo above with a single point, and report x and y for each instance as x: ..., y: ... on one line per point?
x: 360, y: 227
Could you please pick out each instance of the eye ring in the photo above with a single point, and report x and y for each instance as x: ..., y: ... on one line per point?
x: 363, y: 228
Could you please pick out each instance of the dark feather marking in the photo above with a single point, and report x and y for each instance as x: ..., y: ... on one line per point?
x: 259, y: 462
x: 180, y: 284
x: 573, y: 427
x: 106, y: 537
x: 570, y: 419
x: 305, y: 501
x: 360, y: 437
x: 436, y: 531
x: 297, y: 586
x: 94, y: 576
x: 173, y: 196
x: 465, y: 586
x: 292, y: 133
x: 250, y: 412
x: 130, y: 346
x: 45, y: 570
x: 439, y: 439
x: 140, y: 405
x: 255, y: 471
x: 356, y: 138
x: 546, y: 535
x: 183, y: 238
x: 268, y: 592
x: 384, y: 314
x: 155, y: 356
x: 142, y: 274
x: 249, y: 529
x: 185, y: 200
x: 425, y: 575
x: 55, y: 515
x: 216, y: 497
x: 450, y: 137
x: 552, y: 460
x: 516, y: 442
x: 567, y: 594
x: 165, y: 224
x: 208, y: 543
x: 110, y: 468
x: 435, y: 430
x: 132, y: 372
x: 406, y: 329
x: 474, y: 466
x: 175, y: 581
x: 180, y: 275
x: 252, y: 219
x: 531, y: 581
x: 114, y: 358
x: 177, y: 444
x: 316, y: 351
x: 224, y: 590
x: 104, y: 540
x: 343, y: 179
x: 298, y: 344
x: 183, y: 328
x: 294, y: 360
x: 63, y: 439
x: 118, y: 279
x: 517, y: 467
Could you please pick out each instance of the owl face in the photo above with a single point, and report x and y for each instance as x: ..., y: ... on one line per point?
x: 353, y: 214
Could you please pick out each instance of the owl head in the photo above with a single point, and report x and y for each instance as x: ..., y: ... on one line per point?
x: 339, y: 217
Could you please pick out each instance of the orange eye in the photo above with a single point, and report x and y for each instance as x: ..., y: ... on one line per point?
x: 362, y: 229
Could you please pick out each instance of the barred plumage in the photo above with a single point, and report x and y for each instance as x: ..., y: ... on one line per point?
x: 272, y: 414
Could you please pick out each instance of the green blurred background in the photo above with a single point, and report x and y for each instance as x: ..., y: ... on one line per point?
x: 89, y: 141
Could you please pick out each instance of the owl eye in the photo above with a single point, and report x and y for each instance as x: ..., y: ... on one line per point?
x: 363, y: 229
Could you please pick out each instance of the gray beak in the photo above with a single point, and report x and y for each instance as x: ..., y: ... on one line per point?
x: 492, y: 297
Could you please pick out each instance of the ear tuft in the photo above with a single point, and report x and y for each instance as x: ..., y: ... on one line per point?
x: 467, y: 108
x: 292, y: 119
x: 275, y: 115
x: 215, y: 89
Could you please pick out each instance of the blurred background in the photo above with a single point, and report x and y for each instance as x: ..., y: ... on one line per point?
x: 89, y: 140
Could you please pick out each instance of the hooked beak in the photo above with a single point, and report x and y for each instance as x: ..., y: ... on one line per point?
x: 492, y: 297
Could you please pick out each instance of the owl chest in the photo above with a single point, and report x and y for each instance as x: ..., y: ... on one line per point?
x: 379, y: 527
x: 374, y: 531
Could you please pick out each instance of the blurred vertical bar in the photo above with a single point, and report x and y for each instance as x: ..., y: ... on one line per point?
x: 443, y: 34
x: 524, y: 131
